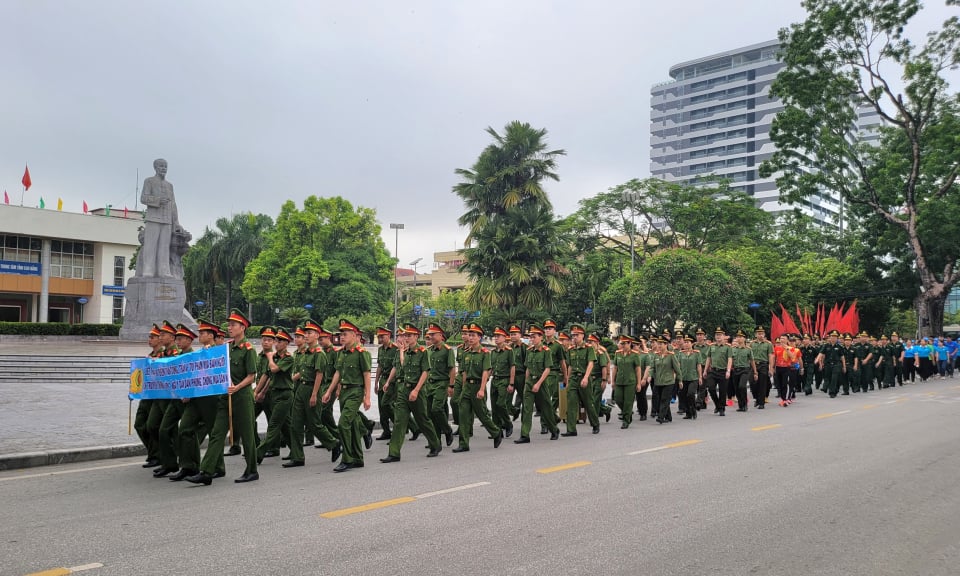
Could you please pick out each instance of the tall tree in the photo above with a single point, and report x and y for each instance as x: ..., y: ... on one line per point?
x: 849, y: 53
x: 512, y: 252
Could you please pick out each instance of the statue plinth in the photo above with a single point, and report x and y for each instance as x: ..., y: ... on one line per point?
x: 152, y: 300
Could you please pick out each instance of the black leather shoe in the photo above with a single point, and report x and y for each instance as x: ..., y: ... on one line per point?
x: 568, y: 434
x: 390, y: 459
x: 200, y: 478
x: 435, y: 453
x: 516, y: 415
x: 247, y: 478
x: 151, y: 463
x: 659, y: 420
x: 219, y: 474
x: 342, y: 467
x: 688, y: 417
x: 543, y: 430
x: 368, y: 440
x: 596, y: 429
x: 182, y: 474
x: 498, y: 440
x: 508, y: 432
x: 643, y: 418
x: 607, y: 416
x: 522, y: 440
x: 270, y: 454
x: 415, y: 435
x: 335, y: 453
x: 449, y: 437
x: 292, y: 464
x: 385, y: 436
x: 624, y: 426
x: 555, y: 435
x: 306, y: 443
x: 459, y: 449
x: 457, y: 431
x: 162, y: 472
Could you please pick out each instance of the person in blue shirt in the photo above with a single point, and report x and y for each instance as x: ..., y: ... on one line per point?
x: 909, y: 360
x: 952, y: 348
x: 925, y: 359
x: 940, y: 351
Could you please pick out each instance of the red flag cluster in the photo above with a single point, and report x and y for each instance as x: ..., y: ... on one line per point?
x: 822, y: 323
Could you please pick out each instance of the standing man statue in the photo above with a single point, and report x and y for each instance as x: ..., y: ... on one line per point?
x: 159, y: 223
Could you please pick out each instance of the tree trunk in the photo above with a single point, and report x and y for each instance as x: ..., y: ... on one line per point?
x: 229, y: 289
x: 929, y: 306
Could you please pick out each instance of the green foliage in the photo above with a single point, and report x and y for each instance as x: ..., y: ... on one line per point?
x: 58, y: 329
x: 513, y: 251
x: 294, y: 316
x: 329, y: 254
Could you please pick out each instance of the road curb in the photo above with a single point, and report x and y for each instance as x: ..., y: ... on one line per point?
x: 53, y: 457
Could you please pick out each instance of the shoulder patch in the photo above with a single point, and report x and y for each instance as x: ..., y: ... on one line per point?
x: 247, y: 346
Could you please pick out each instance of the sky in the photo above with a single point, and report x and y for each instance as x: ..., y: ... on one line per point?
x: 255, y: 103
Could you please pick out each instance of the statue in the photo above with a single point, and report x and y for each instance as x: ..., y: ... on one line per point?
x: 157, y: 292
x: 160, y: 221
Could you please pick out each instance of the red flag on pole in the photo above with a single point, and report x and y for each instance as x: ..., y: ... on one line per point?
x: 124, y: 211
x: 26, y: 181
x: 776, y: 327
x: 6, y: 197
x: 85, y: 208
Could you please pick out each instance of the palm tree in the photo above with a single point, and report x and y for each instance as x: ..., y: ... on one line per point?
x: 512, y: 250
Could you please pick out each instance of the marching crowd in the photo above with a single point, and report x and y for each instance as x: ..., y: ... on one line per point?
x: 296, y: 377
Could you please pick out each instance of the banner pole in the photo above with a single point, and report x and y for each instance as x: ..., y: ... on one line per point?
x: 230, y: 415
x: 130, y: 418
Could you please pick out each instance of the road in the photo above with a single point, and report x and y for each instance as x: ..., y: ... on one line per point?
x: 857, y: 485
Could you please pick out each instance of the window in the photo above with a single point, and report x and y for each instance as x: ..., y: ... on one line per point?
x: 19, y: 248
x: 71, y: 260
x: 118, y: 309
x: 118, y: 266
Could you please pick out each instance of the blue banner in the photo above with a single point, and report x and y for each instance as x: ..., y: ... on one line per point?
x: 200, y: 373
x: 24, y: 268
x: 112, y: 290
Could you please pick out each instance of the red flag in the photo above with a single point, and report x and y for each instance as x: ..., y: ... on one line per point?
x: 776, y: 327
x: 833, y: 320
x: 789, y: 326
x: 124, y: 211
x: 6, y: 197
x: 851, y: 320
x: 26, y: 181
x: 85, y: 209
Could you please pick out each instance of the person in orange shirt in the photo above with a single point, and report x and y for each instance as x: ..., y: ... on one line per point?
x: 787, y: 359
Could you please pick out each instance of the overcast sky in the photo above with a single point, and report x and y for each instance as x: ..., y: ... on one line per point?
x: 254, y: 103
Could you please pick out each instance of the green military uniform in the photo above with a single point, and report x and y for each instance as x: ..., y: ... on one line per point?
x: 312, y: 362
x: 625, y: 383
x: 666, y: 372
x: 475, y: 364
x: 809, y: 355
x: 411, y: 366
x: 868, y: 366
x: 502, y: 366
x: 847, y: 379
x: 325, y: 409
x: 243, y: 363
x: 898, y: 350
x: 264, y: 406
x: 539, y: 359
x: 718, y: 355
x: 387, y: 359
x: 281, y: 392
x: 702, y: 348
x: 833, y: 358
x: 743, y: 366
x: 690, y: 368
x: 144, y: 407
x: 761, y: 355
x: 582, y: 359
x: 519, y: 360
x: 597, y: 384
x: 165, y: 419
x: 888, y: 360
x: 557, y: 359
x: 352, y: 364
x: 442, y: 359
x: 199, y: 415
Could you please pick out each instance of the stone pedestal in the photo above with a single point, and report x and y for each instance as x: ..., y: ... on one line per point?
x: 153, y: 300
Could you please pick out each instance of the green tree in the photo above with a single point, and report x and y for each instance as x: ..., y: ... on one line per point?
x: 329, y: 254
x: 849, y: 53
x: 513, y: 253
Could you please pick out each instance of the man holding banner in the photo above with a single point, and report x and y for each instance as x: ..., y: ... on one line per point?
x: 243, y: 370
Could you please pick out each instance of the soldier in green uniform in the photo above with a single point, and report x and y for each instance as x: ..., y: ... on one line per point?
x: 325, y: 408
x: 808, y: 354
x: 599, y: 377
x: 763, y: 356
x: 519, y: 360
x: 691, y: 375
x: 645, y: 355
x: 441, y: 381
x: 898, y: 352
x: 158, y: 408
x: 718, y: 368
x: 666, y: 373
x: 628, y: 377
x: 886, y: 362
x: 702, y: 346
x: 855, y: 363
x: 539, y: 364
x: 475, y: 367
x: 387, y: 355
x: 412, y: 370
x: 744, y: 365
x: 504, y: 379
x: 352, y: 382
x: 309, y: 379
x: 559, y: 363
x: 582, y: 357
x: 262, y: 401
x: 243, y: 371
x: 849, y: 357
x: 198, y: 417
x: 144, y: 406
x: 299, y: 347
x: 867, y: 359
x: 457, y: 386
x: 280, y: 364
x: 832, y: 361
x: 170, y: 424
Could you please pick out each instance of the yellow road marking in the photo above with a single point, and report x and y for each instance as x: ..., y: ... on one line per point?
x: 869, y: 406
x: 930, y: 394
x: 955, y: 387
x: 822, y: 416
x: 367, y: 507
x: 901, y: 399
x: 829, y: 414
x: 684, y: 443
x: 564, y: 467
x: 767, y: 427
x: 665, y: 447
x: 51, y: 572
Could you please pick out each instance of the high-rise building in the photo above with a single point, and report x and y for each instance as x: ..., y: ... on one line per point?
x: 712, y: 120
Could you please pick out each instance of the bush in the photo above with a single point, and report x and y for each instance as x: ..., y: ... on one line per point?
x: 252, y: 331
x: 58, y: 329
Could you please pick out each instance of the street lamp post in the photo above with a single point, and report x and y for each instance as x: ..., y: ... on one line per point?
x: 631, y: 197
x: 199, y: 304
x: 396, y: 253
x: 754, y: 306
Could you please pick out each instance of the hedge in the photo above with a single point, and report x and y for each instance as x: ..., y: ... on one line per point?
x: 58, y: 329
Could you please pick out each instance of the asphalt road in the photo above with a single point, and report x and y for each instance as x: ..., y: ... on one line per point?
x: 857, y: 485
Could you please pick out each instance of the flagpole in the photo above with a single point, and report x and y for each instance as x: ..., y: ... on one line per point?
x: 22, y: 194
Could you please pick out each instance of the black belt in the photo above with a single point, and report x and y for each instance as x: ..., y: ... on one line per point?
x: 473, y: 380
